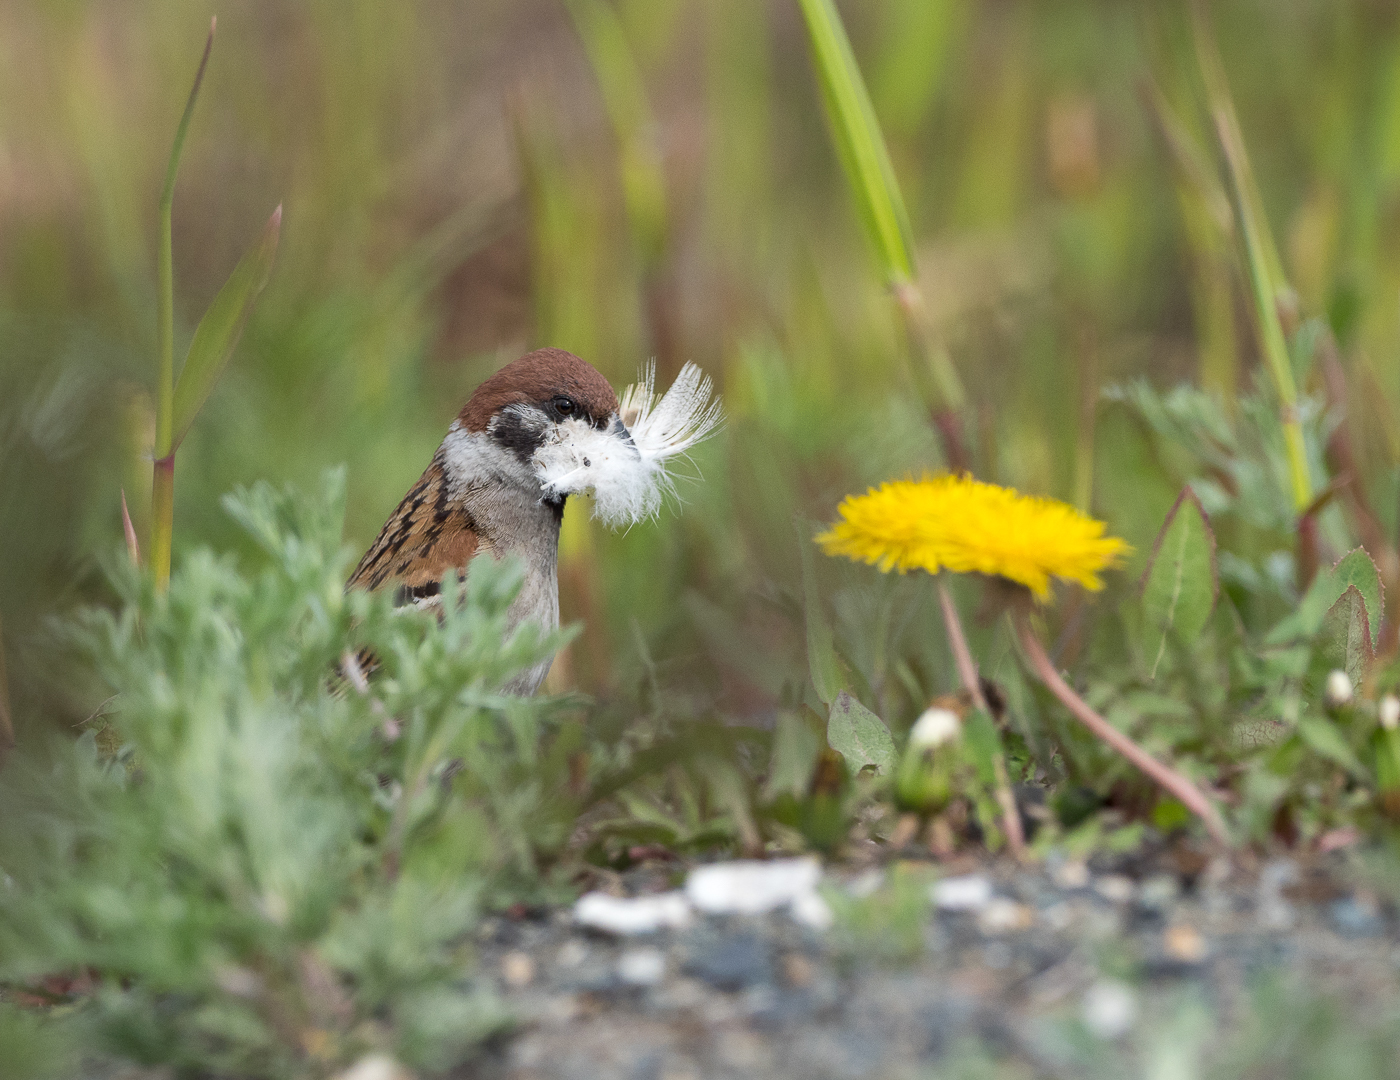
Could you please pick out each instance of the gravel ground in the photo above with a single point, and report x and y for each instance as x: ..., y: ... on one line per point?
x: 1064, y: 969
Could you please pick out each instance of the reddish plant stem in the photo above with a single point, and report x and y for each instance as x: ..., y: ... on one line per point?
x: 162, y: 518
x: 1167, y: 778
x: 967, y: 671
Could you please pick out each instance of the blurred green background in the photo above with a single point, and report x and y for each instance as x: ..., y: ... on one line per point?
x: 653, y: 178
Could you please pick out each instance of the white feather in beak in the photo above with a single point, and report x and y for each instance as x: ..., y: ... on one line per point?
x: 625, y: 465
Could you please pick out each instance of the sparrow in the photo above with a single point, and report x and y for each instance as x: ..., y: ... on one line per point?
x: 544, y: 427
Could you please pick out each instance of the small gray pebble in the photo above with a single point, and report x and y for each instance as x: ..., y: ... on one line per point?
x: 1354, y: 918
x: 730, y: 963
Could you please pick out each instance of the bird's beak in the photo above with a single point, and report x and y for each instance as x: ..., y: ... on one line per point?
x: 619, y: 431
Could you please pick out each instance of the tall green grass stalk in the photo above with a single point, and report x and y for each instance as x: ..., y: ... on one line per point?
x: 860, y: 145
x: 1267, y: 283
x: 177, y: 404
x: 163, y: 475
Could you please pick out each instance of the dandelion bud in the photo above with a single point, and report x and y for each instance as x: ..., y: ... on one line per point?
x: 924, y: 779
x: 935, y: 727
x: 1385, y: 742
x: 1338, y: 690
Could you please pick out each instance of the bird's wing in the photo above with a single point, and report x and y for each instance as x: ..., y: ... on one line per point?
x: 428, y: 535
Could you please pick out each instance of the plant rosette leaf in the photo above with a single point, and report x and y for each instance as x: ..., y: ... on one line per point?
x: 859, y: 736
x: 1355, y: 569
x: 1181, y: 582
x: 1345, y: 640
x: 796, y: 747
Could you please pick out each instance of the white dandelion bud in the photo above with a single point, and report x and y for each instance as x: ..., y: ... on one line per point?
x: 935, y: 727
x: 1338, y: 690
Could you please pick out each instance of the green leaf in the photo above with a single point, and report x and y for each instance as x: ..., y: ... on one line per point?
x: 1354, y: 569
x: 983, y: 743
x: 1323, y: 738
x: 218, y: 331
x: 1345, y: 639
x: 859, y: 142
x: 859, y: 736
x: 1180, y: 584
x: 827, y: 676
x: 796, y: 747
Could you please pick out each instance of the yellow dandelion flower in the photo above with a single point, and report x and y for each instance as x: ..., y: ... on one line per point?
x: 967, y: 526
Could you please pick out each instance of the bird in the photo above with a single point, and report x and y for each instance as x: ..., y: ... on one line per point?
x: 542, y: 428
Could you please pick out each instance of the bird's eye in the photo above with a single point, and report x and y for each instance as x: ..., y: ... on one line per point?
x: 565, y: 405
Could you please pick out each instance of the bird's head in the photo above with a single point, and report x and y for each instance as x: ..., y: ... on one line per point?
x: 562, y: 422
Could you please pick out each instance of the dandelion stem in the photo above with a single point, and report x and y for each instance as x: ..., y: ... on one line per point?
x: 967, y: 672
x: 1167, y: 778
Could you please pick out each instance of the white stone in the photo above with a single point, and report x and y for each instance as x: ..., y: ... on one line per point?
x: 1109, y: 1010
x: 972, y: 892
x: 635, y: 915
x: 376, y: 1067
x: 641, y: 967
x: 751, y: 887
x: 810, y: 909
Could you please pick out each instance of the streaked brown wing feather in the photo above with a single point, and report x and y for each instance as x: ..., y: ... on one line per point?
x: 424, y: 538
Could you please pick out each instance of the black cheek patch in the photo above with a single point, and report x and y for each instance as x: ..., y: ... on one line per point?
x: 514, y: 433
x: 407, y: 594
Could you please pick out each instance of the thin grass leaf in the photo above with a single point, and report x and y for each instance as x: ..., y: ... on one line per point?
x: 1261, y: 255
x: 165, y: 381
x: 219, y: 330
x: 1189, y: 161
x: 859, y: 142
x: 163, y: 469
x: 860, y: 145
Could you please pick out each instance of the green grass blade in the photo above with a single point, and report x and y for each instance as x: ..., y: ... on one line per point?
x: 218, y: 331
x: 860, y: 145
x: 163, y: 471
x: 165, y: 379
x: 1267, y: 285
x: 859, y: 142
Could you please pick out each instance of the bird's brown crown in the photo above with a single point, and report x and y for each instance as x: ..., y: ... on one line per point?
x: 539, y: 377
